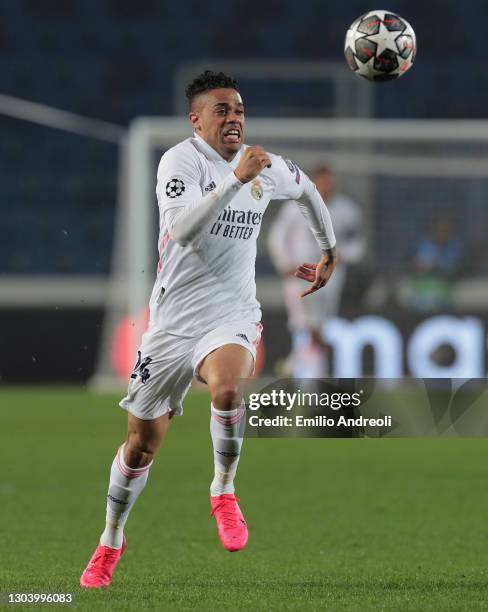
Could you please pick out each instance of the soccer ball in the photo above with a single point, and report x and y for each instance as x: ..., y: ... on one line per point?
x: 380, y: 46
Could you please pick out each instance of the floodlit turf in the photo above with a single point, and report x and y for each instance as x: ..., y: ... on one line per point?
x: 334, y: 524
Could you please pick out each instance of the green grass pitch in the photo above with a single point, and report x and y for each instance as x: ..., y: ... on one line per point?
x: 334, y: 524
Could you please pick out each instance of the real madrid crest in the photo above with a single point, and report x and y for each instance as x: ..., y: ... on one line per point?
x: 256, y: 189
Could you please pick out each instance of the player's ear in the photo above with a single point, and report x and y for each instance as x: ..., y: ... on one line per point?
x: 194, y: 118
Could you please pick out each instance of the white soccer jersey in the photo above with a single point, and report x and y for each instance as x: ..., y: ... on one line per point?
x: 210, y: 280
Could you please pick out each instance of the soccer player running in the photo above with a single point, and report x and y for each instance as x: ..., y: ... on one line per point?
x: 205, y: 320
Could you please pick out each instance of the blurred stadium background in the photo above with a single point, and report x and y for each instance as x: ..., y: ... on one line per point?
x: 91, y: 92
x: 77, y: 169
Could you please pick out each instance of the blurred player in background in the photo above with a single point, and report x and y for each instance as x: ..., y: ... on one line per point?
x: 291, y: 242
x: 205, y: 320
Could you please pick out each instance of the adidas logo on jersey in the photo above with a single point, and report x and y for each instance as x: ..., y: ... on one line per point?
x: 243, y: 336
x: 210, y: 187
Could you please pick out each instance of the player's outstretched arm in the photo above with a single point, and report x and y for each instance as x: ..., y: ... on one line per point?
x: 313, y: 208
x: 315, y: 211
x: 318, y: 274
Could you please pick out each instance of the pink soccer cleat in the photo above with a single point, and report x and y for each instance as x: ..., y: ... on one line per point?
x: 230, y: 522
x: 98, y: 572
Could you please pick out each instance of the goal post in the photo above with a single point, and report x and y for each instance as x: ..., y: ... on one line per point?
x: 372, y: 159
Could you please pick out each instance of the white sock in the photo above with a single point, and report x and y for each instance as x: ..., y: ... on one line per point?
x: 125, y: 485
x: 227, y: 431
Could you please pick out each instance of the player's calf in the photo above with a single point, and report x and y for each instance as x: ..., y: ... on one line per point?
x: 227, y: 430
x: 125, y: 486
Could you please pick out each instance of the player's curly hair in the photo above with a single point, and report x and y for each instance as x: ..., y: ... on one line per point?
x: 208, y: 80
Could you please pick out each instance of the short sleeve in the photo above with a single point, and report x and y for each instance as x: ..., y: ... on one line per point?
x: 178, y: 179
x: 288, y: 179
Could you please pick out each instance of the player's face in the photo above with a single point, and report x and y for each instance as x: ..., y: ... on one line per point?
x: 218, y: 117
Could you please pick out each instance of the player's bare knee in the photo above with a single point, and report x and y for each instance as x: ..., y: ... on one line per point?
x: 139, y: 451
x: 226, y: 396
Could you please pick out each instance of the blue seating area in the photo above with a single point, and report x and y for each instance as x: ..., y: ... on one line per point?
x: 116, y: 59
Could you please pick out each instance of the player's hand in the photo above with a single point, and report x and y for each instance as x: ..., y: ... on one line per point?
x: 253, y: 161
x: 317, y: 274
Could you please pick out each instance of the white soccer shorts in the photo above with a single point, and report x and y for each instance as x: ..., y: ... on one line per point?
x: 166, y: 365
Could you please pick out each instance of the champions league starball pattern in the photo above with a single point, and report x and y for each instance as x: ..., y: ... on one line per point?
x: 174, y: 188
x: 380, y: 46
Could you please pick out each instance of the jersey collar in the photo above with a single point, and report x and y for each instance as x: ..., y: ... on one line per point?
x: 212, y: 154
